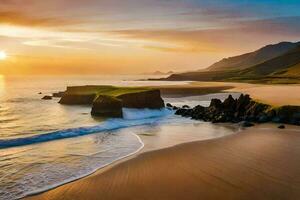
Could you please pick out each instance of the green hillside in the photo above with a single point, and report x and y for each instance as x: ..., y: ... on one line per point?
x: 253, y: 58
x: 293, y: 71
x: 274, y: 66
x: 284, y: 68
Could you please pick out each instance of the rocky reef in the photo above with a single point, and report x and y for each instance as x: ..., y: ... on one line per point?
x: 244, y: 109
x: 108, y: 101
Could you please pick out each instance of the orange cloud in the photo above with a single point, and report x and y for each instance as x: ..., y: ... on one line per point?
x: 179, y: 49
x: 21, y: 19
x: 242, y: 37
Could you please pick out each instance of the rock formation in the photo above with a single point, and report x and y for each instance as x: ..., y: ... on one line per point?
x: 108, y: 101
x: 77, y: 99
x: 243, y: 109
x: 107, y: 106
x: 58, y: 94
x: 47, y: 97
x: 145, y: 99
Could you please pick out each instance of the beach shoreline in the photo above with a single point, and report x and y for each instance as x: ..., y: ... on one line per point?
x: 248, y: 160
x: 69, y: 190
x: 149, y: 144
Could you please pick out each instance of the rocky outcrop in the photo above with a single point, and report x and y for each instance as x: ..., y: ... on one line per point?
x: 243, y: 109
x: 145, y: 99
x: 77, y: 99
x: 47, y: 97
x: 108, y: 101
x: 58, y: 94
x: 107, y: 106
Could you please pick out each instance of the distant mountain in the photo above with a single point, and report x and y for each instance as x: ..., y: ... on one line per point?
x: 254, y: 58
x: 284, y: 68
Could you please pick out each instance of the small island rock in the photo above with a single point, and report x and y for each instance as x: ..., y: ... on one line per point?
x: 47, y: 97
x: 281, y: 126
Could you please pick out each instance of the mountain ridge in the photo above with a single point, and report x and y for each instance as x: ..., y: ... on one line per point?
x: 253, y: 58
x: 283, y: 68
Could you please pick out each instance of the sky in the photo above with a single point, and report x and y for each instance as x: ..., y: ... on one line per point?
x: 137, y: 36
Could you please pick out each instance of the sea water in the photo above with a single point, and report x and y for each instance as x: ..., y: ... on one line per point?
x: 44, y: 144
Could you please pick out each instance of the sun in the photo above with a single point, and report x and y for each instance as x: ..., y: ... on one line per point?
x: 3, y: 55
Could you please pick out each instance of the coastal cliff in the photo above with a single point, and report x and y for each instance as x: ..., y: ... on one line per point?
x: 146, y: 99
x: 77, y: 99
x: 107, y: 106
x: 108, y: 101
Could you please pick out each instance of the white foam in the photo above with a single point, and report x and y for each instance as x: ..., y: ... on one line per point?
x: 49, y: 187
x: 132, y: 114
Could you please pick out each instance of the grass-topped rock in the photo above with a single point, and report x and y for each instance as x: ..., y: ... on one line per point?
x: 107, y: 106
x: 108, y: 101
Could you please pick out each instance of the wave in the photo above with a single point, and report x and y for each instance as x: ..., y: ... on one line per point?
x: 132, y: 117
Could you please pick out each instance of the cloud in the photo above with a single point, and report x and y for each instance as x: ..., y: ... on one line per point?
x: 21, y: 19
x: 178, y: 49
x: 56, y: 44
x: 245, y: 35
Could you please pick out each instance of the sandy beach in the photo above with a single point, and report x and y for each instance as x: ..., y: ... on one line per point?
x: 257, y: 163
x: 262, y: 162
x: 276, y: 95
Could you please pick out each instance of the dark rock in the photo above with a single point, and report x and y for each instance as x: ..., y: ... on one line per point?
x: 215, y: 103
x: 185, y: 106
x: 145, y: 99
x: 242, y: 109
x: 77, y: 99
x: 229, y: 103
x: 281, y: 126
x: 197, y: 112
x: 107, y: 106
x: 108, y: 101
x: 181, y: 111
x: 256, y: 109
x: 199, y: 108
x: 263, y: 118
x: 271, y: 113
x: 169, y: 105
x: 246, y: 124
x: 288, y: 114
x: 40, y: 92
x: 58, y: 94
x: 242, y: 102
x: 175, y: 108
x: 47, y: 97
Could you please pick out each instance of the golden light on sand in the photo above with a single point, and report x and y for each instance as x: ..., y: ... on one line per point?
x: 3, y: 55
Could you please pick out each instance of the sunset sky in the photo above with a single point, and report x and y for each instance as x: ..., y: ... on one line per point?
x: 137, y: 36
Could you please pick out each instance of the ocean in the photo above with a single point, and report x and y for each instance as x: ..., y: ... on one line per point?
x: 44, y: 144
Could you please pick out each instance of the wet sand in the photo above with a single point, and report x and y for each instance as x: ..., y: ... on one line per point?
x: 276, y: 95
x: 262, y: 162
